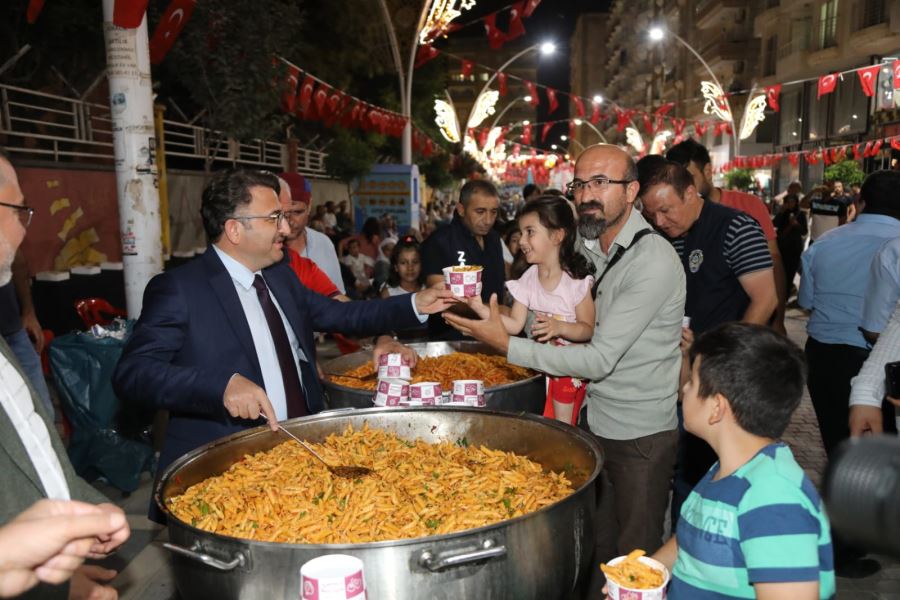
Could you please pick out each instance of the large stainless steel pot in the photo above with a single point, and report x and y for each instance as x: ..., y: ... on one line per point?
x: 539, y: 555
x: 528, y: 395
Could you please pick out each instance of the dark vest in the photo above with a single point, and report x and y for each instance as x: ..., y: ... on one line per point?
x: 714, y: 294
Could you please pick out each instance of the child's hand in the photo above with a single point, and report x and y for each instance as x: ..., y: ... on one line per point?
x: 478, y: 306
x: 545, y: 329
x: 687, y: 339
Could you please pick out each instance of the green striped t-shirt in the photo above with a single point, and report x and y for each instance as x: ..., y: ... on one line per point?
x: 764, y: 523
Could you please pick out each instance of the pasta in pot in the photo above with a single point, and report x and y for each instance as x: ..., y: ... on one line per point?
x: 418, y: 489
x: 492, y: 369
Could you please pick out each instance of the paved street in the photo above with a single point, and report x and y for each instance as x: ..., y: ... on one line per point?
x: 145, y: 574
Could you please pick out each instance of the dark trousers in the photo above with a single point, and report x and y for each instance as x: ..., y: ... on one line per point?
x: 831, y: 367
x: 633, y: 492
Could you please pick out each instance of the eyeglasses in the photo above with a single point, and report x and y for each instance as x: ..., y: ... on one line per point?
x: 276, y: 217
x: 295, y: 212
x: 24, y: 212
x: 595, y: 184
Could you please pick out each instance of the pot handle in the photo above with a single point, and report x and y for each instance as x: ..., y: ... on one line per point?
x: 442, y: 560
x: 194, y: 553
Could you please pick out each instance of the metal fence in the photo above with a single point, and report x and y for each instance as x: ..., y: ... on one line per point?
x: 65, y: 129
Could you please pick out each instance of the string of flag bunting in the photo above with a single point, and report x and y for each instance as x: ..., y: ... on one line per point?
x: 826, y: 156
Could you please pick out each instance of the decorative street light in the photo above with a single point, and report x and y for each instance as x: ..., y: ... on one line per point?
x: 718, y: 96
x: 499, y: 116
x: 602, y: 137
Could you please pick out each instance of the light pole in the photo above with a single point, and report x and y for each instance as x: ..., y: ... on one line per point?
x: 594, y: 128
x: 506, y: 108
x: 545, y: 48
x: 565, y: 138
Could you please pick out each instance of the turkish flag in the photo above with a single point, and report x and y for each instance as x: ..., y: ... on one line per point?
x: 289, y: 95
x: 772, y: 94
x: 623, y: 117
x: 306, y: 93
x: 571, y: 129
x: 482, y: 138
x: 424, y: 54
x: 700, y: 128
x: 466, y: 68
x: 678, y: 125
x: 546, y: 130
x: 793, y: 158
x: 496, y: 38
x: 827, y: 157
x: 579, y: 106
x: 595, y: 112
x: 516, y: 28
x: 648, y: 123
x: 895, y: 142
x: 532, y: 91
x: 526, y: 135
x: 827, y: 83
x: 501, y: 83
x: 858, y: 151
x: 812, y: 157
x: 530, y: 5
x: 551, y: 100
x: 169, y: 27
x: 867, y: 79
x: 876, y: 148
x: 720, y: 128
x: 34, y: 9
x: 502, y: 136
x: 664, y: 109
x: 129, y: 13
x: 319, y: 98
x: 896, y: 67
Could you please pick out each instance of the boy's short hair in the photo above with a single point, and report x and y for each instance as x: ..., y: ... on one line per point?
x: 760, y: 372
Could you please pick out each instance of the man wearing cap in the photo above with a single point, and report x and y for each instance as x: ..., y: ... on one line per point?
x: 306, y: 241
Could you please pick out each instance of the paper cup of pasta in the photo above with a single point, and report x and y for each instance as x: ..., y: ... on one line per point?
x: 333, y: 577
x: 469, y: 392
x: 425, y: 393
x: 391, y: 392
x: 636, y: 577
x: 463, y: 280
x: 394, y: 366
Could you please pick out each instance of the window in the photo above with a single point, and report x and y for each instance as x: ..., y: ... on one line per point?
x: 871, y: 13
x: 799, y: 38
x: 885, y: 98
x: 790, y: 125
x: 826, y: 35
x: 816, y: 113
x: 851, y: 108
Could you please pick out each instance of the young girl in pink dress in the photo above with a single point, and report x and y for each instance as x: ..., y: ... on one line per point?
x: 556, y: 288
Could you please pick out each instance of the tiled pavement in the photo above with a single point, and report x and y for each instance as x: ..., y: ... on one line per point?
x: 145, y: 574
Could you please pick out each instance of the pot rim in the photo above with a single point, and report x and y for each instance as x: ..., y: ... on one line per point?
x: 172, y: 520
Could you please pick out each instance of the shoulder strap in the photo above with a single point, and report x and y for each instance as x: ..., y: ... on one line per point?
x: 620, y: 251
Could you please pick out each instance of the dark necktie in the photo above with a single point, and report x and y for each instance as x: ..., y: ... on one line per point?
x: 293, y: 393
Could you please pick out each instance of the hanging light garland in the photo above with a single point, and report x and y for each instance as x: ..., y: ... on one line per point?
x: 754, y: 114
x: 484, y: 108
x: 634, y: 139
x: 439, y: 18
x: 715, y: 101
x: 445, y: 119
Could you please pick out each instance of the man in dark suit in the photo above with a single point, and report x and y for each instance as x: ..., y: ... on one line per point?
x: 229, y: 335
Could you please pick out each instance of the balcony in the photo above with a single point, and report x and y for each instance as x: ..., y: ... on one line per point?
x: 724, y: 49
x: 708, y: 13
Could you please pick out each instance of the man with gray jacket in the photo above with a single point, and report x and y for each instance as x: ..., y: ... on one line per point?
x: 633, y: 359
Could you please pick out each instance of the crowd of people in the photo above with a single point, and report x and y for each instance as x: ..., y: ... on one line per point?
x: 653, y: 300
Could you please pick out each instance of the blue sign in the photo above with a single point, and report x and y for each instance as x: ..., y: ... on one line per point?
x: 388, y: 189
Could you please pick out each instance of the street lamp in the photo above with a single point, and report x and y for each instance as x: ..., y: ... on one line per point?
x: 507, y: 107
x: 658, y: 33
x: 602, y: 137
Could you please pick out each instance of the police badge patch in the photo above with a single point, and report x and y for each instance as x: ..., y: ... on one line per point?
x: 695, y: 260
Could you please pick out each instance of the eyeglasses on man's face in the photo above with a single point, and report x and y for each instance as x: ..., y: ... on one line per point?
x: 23, y: 212
x: 595, y: 184
x: 276, y: 217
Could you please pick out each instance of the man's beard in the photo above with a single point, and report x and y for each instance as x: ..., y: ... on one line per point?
x: 591, y: 227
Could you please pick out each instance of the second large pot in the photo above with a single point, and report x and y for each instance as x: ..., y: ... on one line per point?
x: 538, y: 555
x: 528, y: 395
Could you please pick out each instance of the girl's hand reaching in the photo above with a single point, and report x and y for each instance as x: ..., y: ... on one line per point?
x: 478, y: 307
x: 545, y: 328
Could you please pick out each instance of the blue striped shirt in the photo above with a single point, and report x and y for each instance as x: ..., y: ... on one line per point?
x: 762, y: 524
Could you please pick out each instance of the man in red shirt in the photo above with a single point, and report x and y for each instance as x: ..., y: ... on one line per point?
x: 695, y: 157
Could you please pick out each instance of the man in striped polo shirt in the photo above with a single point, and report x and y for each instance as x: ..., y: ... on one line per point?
x: 754, y: 526
x: 728, y: 269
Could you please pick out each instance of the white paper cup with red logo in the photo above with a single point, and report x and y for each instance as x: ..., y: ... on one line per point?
x: 617, y: 591
x: 425, y: 393
x: 686, y: 322
x: 468, y: 392
x: 333, y: 577
x: 464, y: 400
x: 463, y: 280
x: 391, y: 392
x: 394, y: 366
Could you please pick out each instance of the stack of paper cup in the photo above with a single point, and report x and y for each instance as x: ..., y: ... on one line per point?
x: 617, y: 591
x: 463, y: 280
x: 468, y: 392
x: 394, y: 366
x: 426, y: 393
x: 333, y: 577
x: 391, y: 392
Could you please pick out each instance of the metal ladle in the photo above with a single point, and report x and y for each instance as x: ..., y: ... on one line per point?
x: 350, y: 472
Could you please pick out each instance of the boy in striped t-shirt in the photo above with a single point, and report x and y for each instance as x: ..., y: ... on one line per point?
x: 754, y: 526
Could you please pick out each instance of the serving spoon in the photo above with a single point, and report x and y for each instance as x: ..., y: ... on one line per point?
x: 348, y: 471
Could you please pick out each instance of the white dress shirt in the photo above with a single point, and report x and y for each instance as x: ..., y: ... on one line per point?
x: 867, y: 388
x: 15, y: 397
x: 320, y: 250
x: 242, y: 277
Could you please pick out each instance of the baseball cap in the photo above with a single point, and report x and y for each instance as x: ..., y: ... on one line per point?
x: 301, y: 190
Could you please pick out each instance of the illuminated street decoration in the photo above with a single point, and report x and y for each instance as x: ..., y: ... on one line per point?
x: 439, y: 18
x: 483, y: 108
x: 446, y: 121
x: 659, y: 142
x: 754, y: 114
x: 715, y: 101
x: 634, y: 139
x: 492, y: 139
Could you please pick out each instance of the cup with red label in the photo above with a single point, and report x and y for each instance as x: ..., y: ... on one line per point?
x: 469, y: 392
x: 425, y: 393
x: 394, y: 366
x: 621, y: 591
x: 463, y: 280
x: 333, y: 577
x: 391, y: 392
